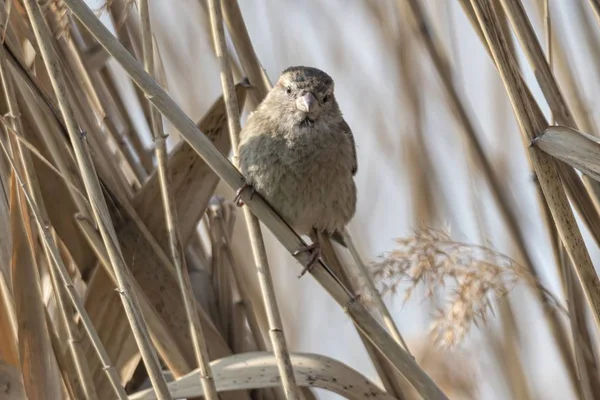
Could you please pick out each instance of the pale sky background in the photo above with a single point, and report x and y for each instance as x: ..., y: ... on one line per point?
x: 341, y: 38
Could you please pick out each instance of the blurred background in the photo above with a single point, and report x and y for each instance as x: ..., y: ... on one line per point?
x: 418, y: 177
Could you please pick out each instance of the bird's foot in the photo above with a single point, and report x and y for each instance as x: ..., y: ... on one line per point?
x: 315, y: 254
x: 238, y: 194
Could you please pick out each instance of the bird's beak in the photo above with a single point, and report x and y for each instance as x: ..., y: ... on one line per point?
x: 308, y: 102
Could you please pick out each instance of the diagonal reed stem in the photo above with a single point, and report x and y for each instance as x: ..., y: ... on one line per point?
x: 278, y: 341
x: 364, y: 274
x: 595, y: 4
x: 175, y: 245
x: 99, y: 207
x: 440, y: 60
x: 49, y: 242
x: 532, y: 124
x: 231, y: 176
x: 81, y: 366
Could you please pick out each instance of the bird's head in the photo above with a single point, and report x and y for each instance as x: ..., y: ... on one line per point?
x: 305, y: 94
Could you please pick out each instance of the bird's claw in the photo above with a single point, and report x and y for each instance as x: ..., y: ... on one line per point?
x: 315, y: 251
x: 238, y: 194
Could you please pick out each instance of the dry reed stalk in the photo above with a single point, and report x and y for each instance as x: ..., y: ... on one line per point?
x: 72, y: 388
x: 45, y: 135
x: 161, y: 333
x: 548, y: 37
x: 245, y: 51
x: 128, y: 32
x: 360, y: 316
x: 221, y: 216
x: 392, y: 381
x: 100, y: 152
x: 509, y: 354
x: 588, y: 382
x: 582, y: 201
x: 582, y: 349
x: 579, y: 328
x: 254, y: 231
x: 257, y: 325
x: 532, y: 123
x: 513, y: 12
x: 129, y: 132
x: 37, y: 361
x: 83, y: 78
x: 175, y: 245
x: 591, y: 38
x: 418, y: 158
x: 595, y: 5
x: 442, y: 65
x: 373, y: 293
x: 31, y: 179
x: 53, y: 251
x: 143, y: 235
x: 100, y: 210
x: 540, y: 65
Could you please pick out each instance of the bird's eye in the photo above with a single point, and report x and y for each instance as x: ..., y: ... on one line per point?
x: 326, y: 98
x: 288, y: 90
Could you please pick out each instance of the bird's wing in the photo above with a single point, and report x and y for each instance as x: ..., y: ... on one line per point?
x: 346, y: 129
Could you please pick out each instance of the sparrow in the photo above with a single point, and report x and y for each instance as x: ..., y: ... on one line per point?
x: 297, y: 151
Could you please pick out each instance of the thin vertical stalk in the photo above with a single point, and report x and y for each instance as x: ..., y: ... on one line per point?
x: 571, y: 287
x: 256, y: 240
x: 175, y: 245
x: 99, y: 207
x: 559, y: 110
x: 202, y: 145
x: 69, y: 286
x: 531, y: 124
x: 576, y: 310
x: 81, y: 367
x: 245, y: 50
x: 595, y: 4
x: 548, y: 34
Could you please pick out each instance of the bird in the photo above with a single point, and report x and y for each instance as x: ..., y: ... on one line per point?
x: 297, y: 151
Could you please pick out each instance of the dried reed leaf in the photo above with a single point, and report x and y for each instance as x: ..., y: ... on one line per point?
x: 578, y: 149
x: 259, y: 370
x: 41, y: 378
